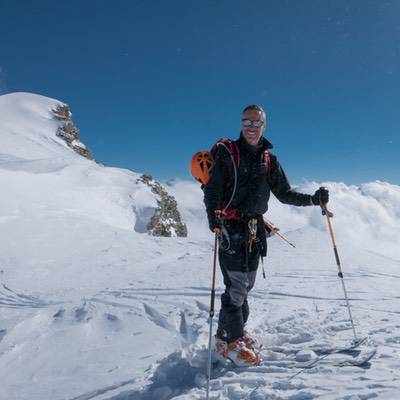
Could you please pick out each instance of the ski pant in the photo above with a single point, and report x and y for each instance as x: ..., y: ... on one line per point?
x: 239, y: 269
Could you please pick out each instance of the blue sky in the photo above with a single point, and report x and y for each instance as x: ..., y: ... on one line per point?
x: 151, y: 82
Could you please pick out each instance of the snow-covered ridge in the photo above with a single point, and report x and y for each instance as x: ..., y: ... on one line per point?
x: 42, y: 168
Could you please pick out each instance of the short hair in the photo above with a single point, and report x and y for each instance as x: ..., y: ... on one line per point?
x: 253, y: 107
x: 256, y: 108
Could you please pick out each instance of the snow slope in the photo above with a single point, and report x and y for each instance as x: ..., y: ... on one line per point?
x: 91, y: 308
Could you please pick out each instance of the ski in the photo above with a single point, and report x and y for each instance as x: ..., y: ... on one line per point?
x: 346, y: 356
x: 352, y: 357
x: 361, y: 360
x: 318, y: 350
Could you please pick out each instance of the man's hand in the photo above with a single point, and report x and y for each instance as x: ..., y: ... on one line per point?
x: 322, y: 194
x: 274, y: 231
x: 271, y: 230
x: 214, y: 223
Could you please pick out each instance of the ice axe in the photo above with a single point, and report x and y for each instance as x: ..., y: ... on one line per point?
x: 275, y: 231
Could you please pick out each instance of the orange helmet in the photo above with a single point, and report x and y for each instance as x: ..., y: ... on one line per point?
x: 200, y: 166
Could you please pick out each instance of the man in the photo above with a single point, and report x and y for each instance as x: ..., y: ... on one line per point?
x: 243, y: 175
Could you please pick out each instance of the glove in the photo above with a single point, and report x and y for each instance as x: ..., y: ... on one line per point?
x: 214, y: 223
x: 270, y: 229
x: 321, y: 194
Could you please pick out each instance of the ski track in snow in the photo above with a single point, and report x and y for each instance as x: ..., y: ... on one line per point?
x: 9, y: 298
x: 180, y: 374
x: 285, y: 318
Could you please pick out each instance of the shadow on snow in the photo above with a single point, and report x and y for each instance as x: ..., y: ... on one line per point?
x: 173, y: 376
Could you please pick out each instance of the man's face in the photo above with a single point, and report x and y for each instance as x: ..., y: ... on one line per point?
x: 252, y: 133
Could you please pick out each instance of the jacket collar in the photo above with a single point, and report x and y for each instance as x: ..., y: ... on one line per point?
x: 264, y: 144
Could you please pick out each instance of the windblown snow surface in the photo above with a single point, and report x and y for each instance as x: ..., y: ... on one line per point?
x: 91, y: 308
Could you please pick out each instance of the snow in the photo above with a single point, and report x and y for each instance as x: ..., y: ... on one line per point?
x: 27, y: 129
x: 91, y: 307
x: 77, y: 143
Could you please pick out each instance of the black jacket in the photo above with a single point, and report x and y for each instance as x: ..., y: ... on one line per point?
x: 254, y: 182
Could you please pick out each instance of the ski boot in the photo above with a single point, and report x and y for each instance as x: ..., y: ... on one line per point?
x: 251, y: 341
x: 237, y: 352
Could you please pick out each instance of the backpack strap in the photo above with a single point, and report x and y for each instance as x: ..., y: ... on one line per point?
x: 267, y: 160
x: 234, y: 152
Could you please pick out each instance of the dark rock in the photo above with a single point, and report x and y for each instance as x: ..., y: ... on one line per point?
x: 167, y: 219
x: 69, y: 132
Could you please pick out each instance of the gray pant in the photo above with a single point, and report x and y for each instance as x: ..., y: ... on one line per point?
x: 234, y: 306
x: 239, y: 268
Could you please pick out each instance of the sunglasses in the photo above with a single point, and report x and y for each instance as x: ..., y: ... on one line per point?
x: 257, y: 123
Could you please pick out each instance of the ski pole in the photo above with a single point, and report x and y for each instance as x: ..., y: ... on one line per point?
x: 211, y: 313
x: 276, y: 232
x: 329, y: 215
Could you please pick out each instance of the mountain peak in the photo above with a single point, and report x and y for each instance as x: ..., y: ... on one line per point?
x: 31, y: 129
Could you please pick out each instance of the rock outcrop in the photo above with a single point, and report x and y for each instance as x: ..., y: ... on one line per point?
x: 69, y: 132
x: 167, y: 220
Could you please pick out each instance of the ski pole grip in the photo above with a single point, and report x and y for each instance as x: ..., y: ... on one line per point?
x: 323, y: 206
